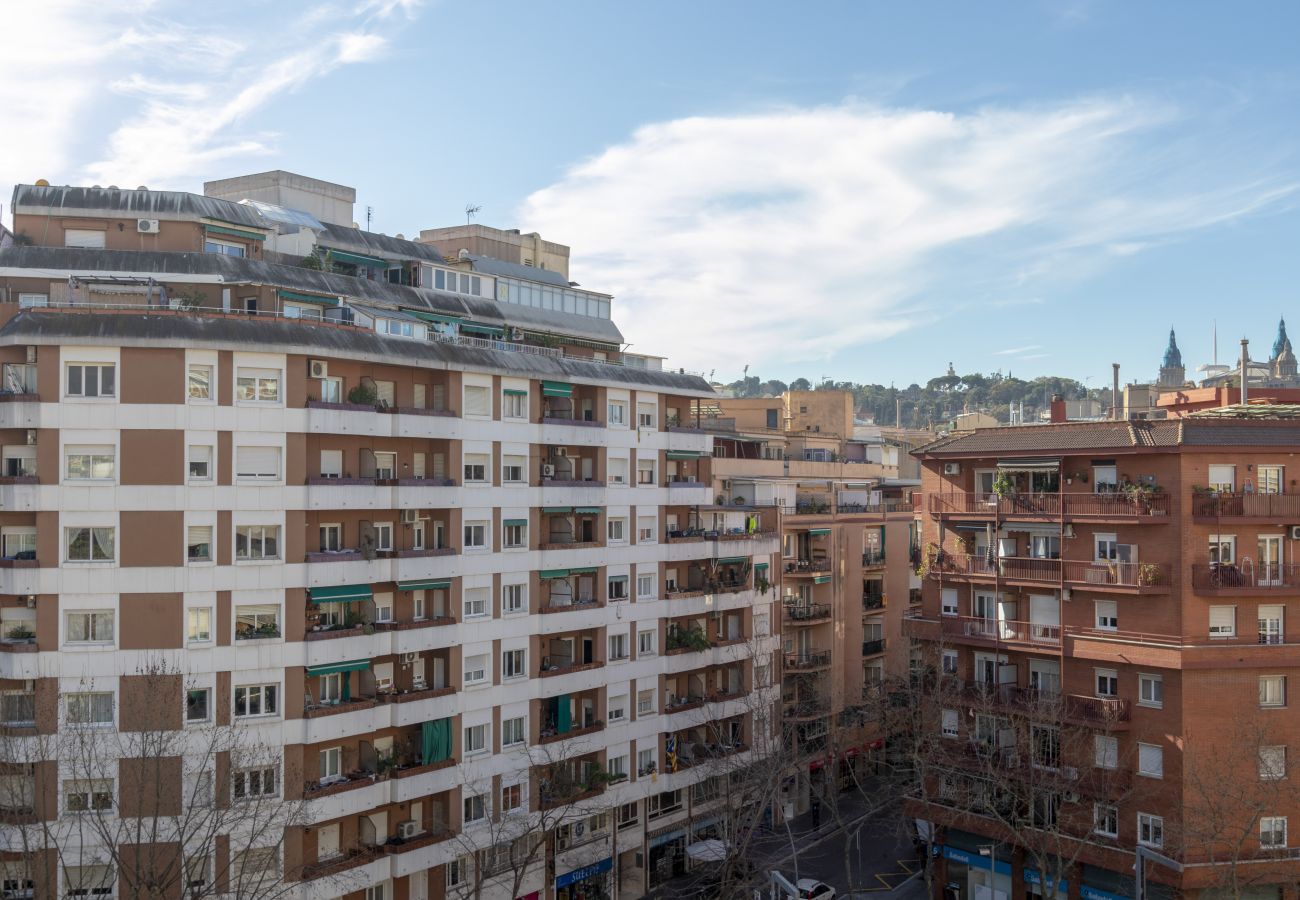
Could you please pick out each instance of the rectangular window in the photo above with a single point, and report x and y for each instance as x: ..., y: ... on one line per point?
x: 1151, y: 830
x: 512, y: 797
x: 1223, y: 621
x: 617, y: 531
x: 645, y: 415
x: 1223, y: 549
x: 198, y: 625
x: 90, y: 463
x: 512, y: 470
x: 617, y: 766
x: 1107, y: 615
x: 257, y: 542
x: 512, y: 599
x: 1151, y: 760
x: 478, y: 400
x: 198, y: 705
x: 1270, y: 620
x: 200, y: 465
x: 475, y: 536
x: 1272, y: 690
x: 949, y: 601
x: 331, y: 390
x: 514, y: 406
x: 476, y: 738
x: 950, y: 662
x: 199, y: 382
x: 1272, y: 762
x: 617, y: 413
x: 257, y: 463
x: 514, y: 536
x: 645, y: 586
x: 475, y: 468
x: 331, y: 464
x: 475, y: 807
x: 645, y: 761
x: 90, y: 544
x: 1222, y: 478
x: 90, y: 627
x: 512, y: 731
x: 223, y: 248
x: 1105, y: 751
x: 261, y: 781
x: 646, y: 530
x: 1105, y: 820
x: 88, y: 795
x: 1272, y: 832
x: 617, y: 470
x: 618, y: 708
x: 257, y: 700
x: 198, y: 543
x: 950, y: 723
x: 645, y: 643
x: 645, y: 472
x: 1151, y: 690
x: 385, y: 465
x: 257, y: 386
x: 475, y: 602
x: 476, y: 669
x: 331, y: 537
x: 617, y: 647
x: 513, y: 664
x: 331, y: 764
x: 616, y: 587
x: 92, y: 380
x: 384, y: 536
x: 645, y: 702
x: 1107, y: 683
x: 258, y: 620
x: 89, y: 708
x: 90, y: 239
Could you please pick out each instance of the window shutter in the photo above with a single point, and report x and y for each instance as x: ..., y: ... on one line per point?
x: 385, y: 391
x: 1223, y: 619
x: 477, y: 401
x: 93, y: 240
x: 257, y: 462
x: 200, y: 534
x: 331, y: 462
x: 1151, y: 759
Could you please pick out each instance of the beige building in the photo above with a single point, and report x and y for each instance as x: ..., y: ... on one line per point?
x: 507, y: 245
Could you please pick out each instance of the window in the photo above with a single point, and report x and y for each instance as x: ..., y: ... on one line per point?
x: 331, y: 390
x: 1272, y: 832
x: 90, y: 239
x: 257, y: 542
x: 645, y: 702
x: 90, y: 544
x: 475, y: 602
x: 1151, y: 830
x: 385, y: 465
x: 199, y: 381
x: 257, y: 620
x: 331, y: 688
x: 514, y: 404
x: 645, y: 472
x: 261, y: 781
x: 476, y: 738
x: 478, y: 400
x: 618, y: 708
x: 475, y: 808
x: 1151, y: 690
x: 762, y: 675
x: 617, y: 530
x: 1223, y: 621
x: 460, y: 870
x: 383, y: 536
x: 645, y: 643
x: 223, y: 248
x: 257, y: 463
x: 1270, y: 621
x: 88, y: 795
x: 476, y: 466
x: 617, y: 647
x: 257, y: 386
x: 331, y: 464
x: 512, y: 599
x: 512, y: 797
x: 617, y: 413
x: 950, y: 605
x: 515, y: 535
x: 617, y: 766
x: 1272, y: 762
x: 512, y: 731
x: 645, y: 415
x: 617, y: 587
x: 476, y: 669
x: 1045, y: 746
x: 1222, y: 478
x: 1223, y: 549
x: 90, y: 627
x: 1107, y: 683
x: 1151, y: 760
x: 90, y: 463
x: 200, y: 462
x: 950, y: 662
x: 1272, y: 690
x: 512, y: 469
x: 1107, y: 615
x: 1105, y: 820
x: 1105, y: 751
x: 950, y: 723
x: 18, y: 542
x: 89, y: 708
x: 627, y: 815
x: 645, y: 586
x: 645, y: 761
x: 645, y: 529
x: 256, y: 700
x: 198, y: 543
x: 331, y: 537
x: 198, y: 705
x: 617, y: 470
x: 92, y: 380
x: 90, y: 881
x: 198, y: 624
x: 331, y: 764
x: 513, y: 664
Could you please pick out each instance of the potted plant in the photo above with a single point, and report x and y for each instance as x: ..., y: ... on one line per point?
x: 1149, y: 574
x: 1003, y: 486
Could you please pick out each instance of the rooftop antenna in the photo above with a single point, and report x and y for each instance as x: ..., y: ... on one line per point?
x: 471, y: 211
x: 370, y: 211
x: 1216, y: 342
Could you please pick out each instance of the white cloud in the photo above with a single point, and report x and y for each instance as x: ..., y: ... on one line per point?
x: 1016, y: 351
x: 798, y: 233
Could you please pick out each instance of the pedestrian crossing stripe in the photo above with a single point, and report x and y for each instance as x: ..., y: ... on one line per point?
x: 890, y: 880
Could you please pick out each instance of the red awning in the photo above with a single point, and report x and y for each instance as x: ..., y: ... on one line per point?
x: 877, y: 744
x: 815, y: 765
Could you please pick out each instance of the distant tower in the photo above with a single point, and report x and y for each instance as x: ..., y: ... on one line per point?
x: 1281, y: 342
x: 1172, y: 373
x: 1284, y: 364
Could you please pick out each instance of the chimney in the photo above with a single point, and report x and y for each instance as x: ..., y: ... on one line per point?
x: 1114, y: 392
x: 1245, y: 362
x: 1058, y: 408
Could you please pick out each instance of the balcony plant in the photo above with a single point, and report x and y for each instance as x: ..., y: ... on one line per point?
x: 692, y: 638
x: 762, y: 584
x: 363, y: 395
x: 1004, y: 486
x: 1149, y: 574
x: 19, y: 633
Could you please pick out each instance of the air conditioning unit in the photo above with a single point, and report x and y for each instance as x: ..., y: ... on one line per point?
x: 410, y: 516
x: 1295, y: 532
x: 31, y: 355
x: 407, y: 830
x: 408, y: 658
x: 31, y: 601
x: 559, y: 451
x: 1070, y: 797
x: 29, y: 684
x: 31, y: 437
x: 146, y: 226
x: 317, y: 368
x: 952, y: 468
x: 548, y: 471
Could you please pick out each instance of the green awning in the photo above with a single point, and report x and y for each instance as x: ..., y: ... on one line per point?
x: 344, y: 593
x: 354, y: 666
x: 556, y: 389
x: 308, y: 298
x: 235, y: 232
x: 684, y: 454
x: 553, y: 573
x: 618, y: 578
x: 733, y: 560
x: 557, y: 509
x: 588, y: 510
x: 357, y: 259
x: 425, y: 584
x: 512, y: 392
x: 758, y: 566
x: 819, y: 531
x: 514, y: 522
x: 821, y: 579
x: 485, y: 330
x: 432, y: 317
x: 585, y: 570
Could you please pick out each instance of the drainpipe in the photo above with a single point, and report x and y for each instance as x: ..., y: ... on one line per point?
x: 1245, y: 361
x: 1114, y: 391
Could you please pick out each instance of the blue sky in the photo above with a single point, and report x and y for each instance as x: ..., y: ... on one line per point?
x: 859, y: 190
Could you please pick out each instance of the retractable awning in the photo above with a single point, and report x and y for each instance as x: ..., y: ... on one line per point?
x: 235, y: 232
x: 553, y: 573
x: 357, y: 259
x: 557, y: 509
x: 308, y: 298
x: 344, y: 593
x: 733, y: 560
x: 821, y: 579
x: 432, y: 317
x: 484, y: 330
x: 816, y: 531
x: 556, y: 389
x: 585, y: 570
x: 514, y: 522
x: 513, y: 392
x: 588, y: 510
x: 684, y: 454
x: 354, y: 666
x: 1030, y: 464
x: 425, y: 584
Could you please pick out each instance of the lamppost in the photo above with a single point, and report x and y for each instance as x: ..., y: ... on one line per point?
x: 991, y: 851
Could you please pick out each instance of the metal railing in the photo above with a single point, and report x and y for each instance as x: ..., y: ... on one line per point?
x: 1106, y: 504
x: 1245, y: 576
x: 1237, y: 505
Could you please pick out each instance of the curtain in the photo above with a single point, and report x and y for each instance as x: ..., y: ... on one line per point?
x: 563, y: 714
x: 435, y: 741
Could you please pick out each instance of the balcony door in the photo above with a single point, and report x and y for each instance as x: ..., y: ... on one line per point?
x: 1270, y: 480
x: 1271, y: 628
x: 1269, y: 569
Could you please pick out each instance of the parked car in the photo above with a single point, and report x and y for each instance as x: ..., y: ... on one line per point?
x: 812, y: 889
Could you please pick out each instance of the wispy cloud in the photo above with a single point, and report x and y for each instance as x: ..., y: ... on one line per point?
x: 800, y: 233
x: 161, y: 96
x: 1016, y: 351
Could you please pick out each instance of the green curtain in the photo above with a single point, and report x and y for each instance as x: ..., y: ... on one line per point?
x: 435, y: 741
x: 563, y: 714
x: 347, y: 686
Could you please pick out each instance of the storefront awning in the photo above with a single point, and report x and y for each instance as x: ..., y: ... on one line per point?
x: 308, y: 298
x: 344, y: 593
x: 1030, y: 464
x: 354, y: 666
x: 512, y: 392
x: 523, y: 522
x: 556, y: 389
x: 553, y: 573
x: 425, y: 584
x: 816, y: 531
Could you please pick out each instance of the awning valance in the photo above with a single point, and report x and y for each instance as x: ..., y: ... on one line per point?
x: 514, y: 522
x: 308, y: 298
x: 733, y: 560
x: 557, y: 509
x: 343, y: 593
x: 553, y: 573
x: 235, y: 232
x: 684, y: 454
x: 588, y: 510
x: 556, y: 389
x: 821, y: 579
x: 354, y: 666
x: 432, y: 317
x: 1030, y: 464
x: 585, y: 570
x: 425, y: 584
x: 512, y: 392
x: 357, y: 259
x: 816, y: 531
x: 484, y: 330
x: 618, y: 578
x: 758, y: 566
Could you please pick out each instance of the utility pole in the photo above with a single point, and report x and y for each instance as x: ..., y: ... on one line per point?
x: 370, y: 210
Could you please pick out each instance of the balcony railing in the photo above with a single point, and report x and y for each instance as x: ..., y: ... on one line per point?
x: 808, y: 659
x: 871, y: 648
x: 1245, y: 577
x: 800, y: 612
x: 1103, y: 505
x: 1001, y: 631
x: 1051, y: 571
x: 1275, y: 507
x: 873, y: 558
x: 873, y: 601
x: 1096, y: 710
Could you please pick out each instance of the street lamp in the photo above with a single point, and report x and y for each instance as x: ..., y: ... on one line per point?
x: 991, y: 851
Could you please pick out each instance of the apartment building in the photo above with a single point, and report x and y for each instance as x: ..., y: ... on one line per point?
x: 845, y: 575
x: 1105, y: 620
x: 414, y: 544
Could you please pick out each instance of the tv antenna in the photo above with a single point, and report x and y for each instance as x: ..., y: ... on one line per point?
x: 370, y: 210
x: 471, y: 210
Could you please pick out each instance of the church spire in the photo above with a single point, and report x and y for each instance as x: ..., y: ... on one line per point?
x: 1279, y: 344
x: 1173, y: 357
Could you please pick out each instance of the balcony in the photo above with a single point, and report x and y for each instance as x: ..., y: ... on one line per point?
x: 873, y: 648
x: 1104, y: 506
x: 1266, y: 508
x: 806, y: 613
x: 873, y: 558
x: 807, y: 660
x: 1144, y: 578
x: 1244, y: 578
x: 992, y: 631
x: 815, y: 566
x: 872, y: 601
x: 1096, y: 712
x: 550, y: 669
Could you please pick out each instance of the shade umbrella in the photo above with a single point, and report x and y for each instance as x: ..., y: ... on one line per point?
x: 707, y: 851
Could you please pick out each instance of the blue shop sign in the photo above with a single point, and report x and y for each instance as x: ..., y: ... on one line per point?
x: 598, y: 868
x: 1032, y: 877
x: 974, y: 859
x: 1092, y: 893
